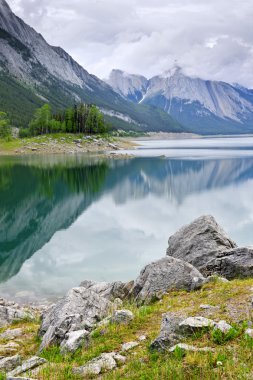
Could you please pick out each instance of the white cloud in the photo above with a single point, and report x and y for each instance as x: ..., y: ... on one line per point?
x: 208, y: 39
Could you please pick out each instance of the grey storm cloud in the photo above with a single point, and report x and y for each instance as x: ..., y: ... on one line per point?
x: 209, y: 39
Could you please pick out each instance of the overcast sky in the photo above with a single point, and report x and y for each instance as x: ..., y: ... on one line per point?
x: 209, y: 38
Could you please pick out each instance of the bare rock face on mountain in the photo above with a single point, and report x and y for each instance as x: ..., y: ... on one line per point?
x: 234, y: 263
x: 79, y: 310
x: 164, y: 275
x: 199, y: 242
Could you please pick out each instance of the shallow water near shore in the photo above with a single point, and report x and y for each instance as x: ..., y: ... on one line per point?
x: 64, y: 219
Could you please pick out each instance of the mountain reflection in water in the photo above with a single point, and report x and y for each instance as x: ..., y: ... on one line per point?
x: 65, y: 219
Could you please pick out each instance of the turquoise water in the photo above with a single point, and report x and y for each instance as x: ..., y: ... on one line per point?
x: 66, y: 219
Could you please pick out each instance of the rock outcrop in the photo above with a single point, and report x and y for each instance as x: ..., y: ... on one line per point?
x: 108, y: 290
x: 10, y: 312
x: 199, y: 242
x: 164, y: 275
x: 234, y: 263
x: 80, y: 309
x: 168, y: 336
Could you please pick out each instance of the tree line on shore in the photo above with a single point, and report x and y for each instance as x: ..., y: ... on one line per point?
x: 81, y: 118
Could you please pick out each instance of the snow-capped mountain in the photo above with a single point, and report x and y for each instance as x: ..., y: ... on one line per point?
x: 200, y: 105
x: 33, y: 72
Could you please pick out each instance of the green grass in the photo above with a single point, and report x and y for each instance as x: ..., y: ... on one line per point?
x: 231, y: 359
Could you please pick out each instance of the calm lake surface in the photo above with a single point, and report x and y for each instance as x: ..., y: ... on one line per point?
x: 64, y: 219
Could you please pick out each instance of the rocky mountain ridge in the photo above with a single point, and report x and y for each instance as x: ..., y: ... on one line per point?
x: 34, y: 72
x: 202, y: 106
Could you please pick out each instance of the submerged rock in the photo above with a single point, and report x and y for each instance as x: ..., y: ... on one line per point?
x: 80, y: 309
x: 199, y: 242
x: 164, y: 275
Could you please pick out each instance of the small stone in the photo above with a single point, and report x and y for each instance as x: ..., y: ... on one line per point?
x: 19, y: 378
x: 193, y: 324
x: 249, y: 332
x: 223, y: 326
x: 122, y: 316
x: 117, y: 303
x: 9, y: 363
x: 142, y: 338
x: 206, y: 307
x: 128, y: 346
x: 187, y: 347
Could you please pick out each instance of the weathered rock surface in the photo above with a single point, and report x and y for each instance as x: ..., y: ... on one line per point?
x: 9, y: 314
x: 8, y: 363
x: 194, y: 324
x: 233, y: 263
x: 122, y: 316
x: 104, y: 362
x: 11, y: 334
x: 169, y: 333
x: 80, y: 309
x: 108, y: 290
x: 9, y: 348
x: 74, y: 340
x: 223, y: 326
x: 164, y: 275
x: 199, y: 242
x: 129, y: 346
x: 29, y: 364
x: 19, y: 378
x: 187, y: 347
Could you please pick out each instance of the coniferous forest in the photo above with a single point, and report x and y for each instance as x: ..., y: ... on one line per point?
x: 81, y: 118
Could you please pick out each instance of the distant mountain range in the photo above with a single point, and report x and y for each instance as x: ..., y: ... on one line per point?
x: 32, y: 72
x: 201, y: 106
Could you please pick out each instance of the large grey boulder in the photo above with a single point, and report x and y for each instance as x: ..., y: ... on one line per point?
x: 169, y: 333
x: 234, y: 263
x: 199, y: 242
x: 164, y: 275
x: 80, y: 309
x: 108, y: 290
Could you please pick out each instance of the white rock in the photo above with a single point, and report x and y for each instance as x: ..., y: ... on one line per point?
x: 142, y: 338
x: 193, y: 324
x: 122, y: 316
x: 249, y: 332
x: 223, y: 326
x: 128, y: 346
x: 74, y: 340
